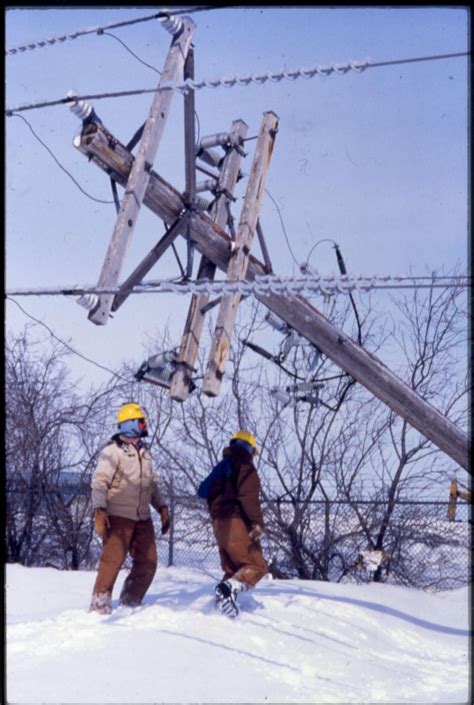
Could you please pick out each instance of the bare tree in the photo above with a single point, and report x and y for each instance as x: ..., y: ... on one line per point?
x: 52, y: 440
x: 335, y: 473
x: 431, y: 335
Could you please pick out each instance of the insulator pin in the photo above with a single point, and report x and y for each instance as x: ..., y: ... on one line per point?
x: 276, y: 323
x: 172, y: 24
x: 208, y: 185
x: 84, y: 110
x: 202, y: 203
x: 210, y: 157
x: 88, y: 301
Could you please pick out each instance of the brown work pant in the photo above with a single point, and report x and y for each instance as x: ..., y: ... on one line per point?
x: 240, y: 558
x: 126, y: 536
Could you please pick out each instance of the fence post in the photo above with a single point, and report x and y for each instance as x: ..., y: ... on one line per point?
x: 453, y: 497
x: 171, y: 532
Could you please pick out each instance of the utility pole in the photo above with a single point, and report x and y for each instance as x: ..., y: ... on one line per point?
x: 216, y: 246
x: 139, y: 175
x: 239, y: 260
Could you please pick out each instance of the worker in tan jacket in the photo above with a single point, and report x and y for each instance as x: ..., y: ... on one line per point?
x: 124, y: 485
x: 232, y: 490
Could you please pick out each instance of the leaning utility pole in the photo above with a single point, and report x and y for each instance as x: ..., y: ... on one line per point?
x: 207, y: 233
x: 214, y: 244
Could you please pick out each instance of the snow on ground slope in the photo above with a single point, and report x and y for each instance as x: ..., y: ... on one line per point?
x: 294, y: 642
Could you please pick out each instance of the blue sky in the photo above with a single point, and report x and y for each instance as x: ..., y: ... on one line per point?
x: 376, y: 161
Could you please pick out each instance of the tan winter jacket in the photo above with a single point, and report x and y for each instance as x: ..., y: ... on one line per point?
x: 124, y: 482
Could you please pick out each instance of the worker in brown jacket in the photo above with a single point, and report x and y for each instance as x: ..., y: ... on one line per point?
x: 124, y: 485
x: 232, y: 491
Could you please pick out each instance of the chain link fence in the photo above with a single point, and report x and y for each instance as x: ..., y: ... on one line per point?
x: 421, y: 547
x: 415, y: 544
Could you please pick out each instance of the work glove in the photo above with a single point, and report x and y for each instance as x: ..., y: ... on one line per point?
x: 101, y: 521
x: 255, y: 533
x: 165, y: 519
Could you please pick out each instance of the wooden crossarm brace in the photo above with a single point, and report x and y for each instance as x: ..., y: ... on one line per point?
x: 177, y: 228
x: 239, y: 261
x: 139, y: 176
x: 180, y: 383
x: 213, y: 243
x: 263, y: 247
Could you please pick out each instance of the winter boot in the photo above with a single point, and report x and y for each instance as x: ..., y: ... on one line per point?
x: 101, y: 603
x: 226, y: 597
x: 127, y: 600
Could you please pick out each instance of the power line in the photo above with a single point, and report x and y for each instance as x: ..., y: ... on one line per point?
x: 53, y: 335
x: 108, y: 34
x: 98, y: 200
x: 40, y: 44
x: 314, y: 284
x: 283, y: 226
x: 258, y: 79
x: 326, y: 239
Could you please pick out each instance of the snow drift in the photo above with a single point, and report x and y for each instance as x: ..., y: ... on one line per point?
x: 294, y: 642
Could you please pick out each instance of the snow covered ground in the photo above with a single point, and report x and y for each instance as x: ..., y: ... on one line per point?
x: 295, y: 642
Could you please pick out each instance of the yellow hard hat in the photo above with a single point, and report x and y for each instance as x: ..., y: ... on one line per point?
x: 130, y: 411
x: 247, y: 437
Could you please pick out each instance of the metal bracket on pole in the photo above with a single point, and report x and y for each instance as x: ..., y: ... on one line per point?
x: 140, y: 173
x: 238, y: 263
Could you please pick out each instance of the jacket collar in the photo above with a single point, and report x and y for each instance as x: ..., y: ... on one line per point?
x: 238, y: 452
x: 122, y: 441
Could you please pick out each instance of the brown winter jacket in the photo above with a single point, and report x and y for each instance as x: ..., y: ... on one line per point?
x: 124, y: 481
x: 239, y: 494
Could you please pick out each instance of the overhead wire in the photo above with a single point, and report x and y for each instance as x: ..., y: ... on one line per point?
x: 343, y: 271
x: 243, y: 81
x: 264, y: 285
x: 326, y: 239
x: 282, y: 225
x: 41, y: 43
x: 342, y: 268
x: 66, y: 345
x: 108, y: 34
x: 51, y: 153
